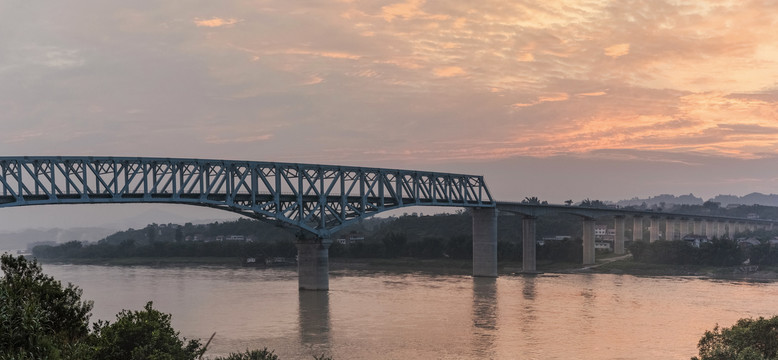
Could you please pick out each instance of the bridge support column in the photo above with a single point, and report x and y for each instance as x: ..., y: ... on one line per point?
x: 719, y: 229
x: 732, y: 230
x: 588, y: 241
x: 669, y: 229
x: 683, y: 225
x: 313, y: 263
x: 654, y: 229
x: 528, y: 258
x: 697, y: 227
x: 637, y: 231
x: 485, y: 242
x: 709, y: 229
x: 618, y: 240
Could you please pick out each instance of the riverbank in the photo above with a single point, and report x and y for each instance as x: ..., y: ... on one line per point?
x: 605, y: 265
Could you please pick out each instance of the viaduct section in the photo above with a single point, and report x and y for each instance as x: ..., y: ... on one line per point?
x: 674, y: 226
x: 319, y: 200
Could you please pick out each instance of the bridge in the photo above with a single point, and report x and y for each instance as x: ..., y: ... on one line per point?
x: 317, y: 199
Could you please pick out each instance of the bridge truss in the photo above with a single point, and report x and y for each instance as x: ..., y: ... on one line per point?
x: 317, y: 198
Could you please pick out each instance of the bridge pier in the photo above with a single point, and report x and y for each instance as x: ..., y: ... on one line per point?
x: 588, y: 242
x: 313, y: 263
x: 485, y: 242
x: 637, y: 231
x: 618, y: 241
x: 669, y: 229
x: 697, y: 227
x: 528, y: 260
x: 653, y: 230
x: 709, y: 229
x: 683, y: 228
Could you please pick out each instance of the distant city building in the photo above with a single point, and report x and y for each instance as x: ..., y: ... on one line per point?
x: 351, y: 239
x: 695, y: 240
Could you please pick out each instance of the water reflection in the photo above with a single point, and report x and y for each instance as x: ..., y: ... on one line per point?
x: 484, y: 316
x: 527, y: 315
x: 314, y: 318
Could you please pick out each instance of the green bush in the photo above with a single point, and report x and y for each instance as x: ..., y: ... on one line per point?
x: 39, y: 318
x: 748, y: 339
x: 139, y: 335
x: 263, y: 354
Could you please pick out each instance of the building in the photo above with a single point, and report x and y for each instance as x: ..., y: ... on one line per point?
x: 351, y: 238
x: 695, y: 240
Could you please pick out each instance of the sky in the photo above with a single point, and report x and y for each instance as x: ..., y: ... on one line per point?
x: 556, y: 99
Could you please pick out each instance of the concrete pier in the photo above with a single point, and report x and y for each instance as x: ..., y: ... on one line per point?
x: 669, y: 229
x: 528, y: 258
x: 618, y: 241
x: 637, y: 231
x: 653, y: 230
x: 709, y: 229
x: 588, y: 241
x: 313, y: 263
x: 684, y: 228
x: 697, y: 227
x: 485, y: 242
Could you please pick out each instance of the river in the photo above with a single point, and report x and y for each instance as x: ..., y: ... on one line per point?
x: 380, y: 315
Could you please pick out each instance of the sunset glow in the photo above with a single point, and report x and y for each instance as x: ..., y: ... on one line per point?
x: 411, y: 82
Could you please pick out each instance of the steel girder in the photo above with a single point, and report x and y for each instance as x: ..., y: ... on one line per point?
x: 316, y: 198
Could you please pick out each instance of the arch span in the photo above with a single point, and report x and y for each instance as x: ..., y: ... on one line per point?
x: 317, y: 198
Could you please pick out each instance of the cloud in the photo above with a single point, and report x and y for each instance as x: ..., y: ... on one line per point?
x: 215, y: 22
x: 617, y: 50
x: 238, y: 139
x: 449, y: 71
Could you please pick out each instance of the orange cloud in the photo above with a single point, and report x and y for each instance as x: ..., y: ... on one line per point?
x: 449, y: 71
x: 215, y: 22
x: 408, y: 10
x: 617, y: 50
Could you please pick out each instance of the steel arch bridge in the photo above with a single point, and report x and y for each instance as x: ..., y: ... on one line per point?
x: 317, y: 198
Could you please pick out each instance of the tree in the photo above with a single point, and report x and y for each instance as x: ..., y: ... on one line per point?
x: 145, y: 334
x: 592, y: 203
x: 531, y: 200
x: 39, y: 319
x: 746, y: 340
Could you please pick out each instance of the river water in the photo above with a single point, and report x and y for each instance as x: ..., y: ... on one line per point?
x: 379, y: 315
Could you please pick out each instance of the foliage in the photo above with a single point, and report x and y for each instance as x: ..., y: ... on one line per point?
x: 145, y: 334
x: 746, y: 340
x: 39, y: 318
x: 714, y: 253
x: 561, y: 250
x: 592, y: 203
x: 263, y: 354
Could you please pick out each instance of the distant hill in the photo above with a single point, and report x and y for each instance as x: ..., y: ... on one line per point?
x: 667, y: 199
x: 19, y: 240
x: 723, y: 200
x: 750, y: 199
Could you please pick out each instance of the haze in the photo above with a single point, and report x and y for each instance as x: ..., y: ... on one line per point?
x: 556, y: 99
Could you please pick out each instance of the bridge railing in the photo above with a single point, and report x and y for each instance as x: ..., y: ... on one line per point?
x: 318, y: 198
